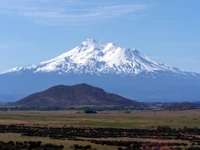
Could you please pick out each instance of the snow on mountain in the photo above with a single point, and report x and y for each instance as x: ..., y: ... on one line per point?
x: 124, y: 71
x: 95, y: 57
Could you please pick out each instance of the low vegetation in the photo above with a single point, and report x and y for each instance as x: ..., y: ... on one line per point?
x: 181, y: 137
x: 28, y: 145
x: 125, y: 130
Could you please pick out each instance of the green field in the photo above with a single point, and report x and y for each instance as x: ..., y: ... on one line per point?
x: 136, y: 119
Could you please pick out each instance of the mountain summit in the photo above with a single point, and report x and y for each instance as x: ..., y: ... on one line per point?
x: 124, y: 71
x: 95, y: 57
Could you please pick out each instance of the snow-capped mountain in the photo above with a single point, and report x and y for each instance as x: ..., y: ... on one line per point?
x: 95, y: 57
x: 124, y: 71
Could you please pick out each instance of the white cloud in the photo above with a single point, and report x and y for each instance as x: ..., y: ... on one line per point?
x: 61, y: 12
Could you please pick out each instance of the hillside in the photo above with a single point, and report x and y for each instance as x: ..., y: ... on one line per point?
x: 76, y: 95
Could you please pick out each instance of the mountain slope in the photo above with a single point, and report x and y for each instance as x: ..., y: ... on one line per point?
x: 124, y: 71
x: 76, y: 95
x: 94, y: 57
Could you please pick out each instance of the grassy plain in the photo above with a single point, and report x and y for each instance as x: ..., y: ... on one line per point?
x: 117, y: 119
x: 136, y: 119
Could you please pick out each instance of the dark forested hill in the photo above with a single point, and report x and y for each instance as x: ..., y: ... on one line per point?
x: 76, y: 95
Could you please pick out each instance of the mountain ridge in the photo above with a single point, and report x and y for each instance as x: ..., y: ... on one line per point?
x: 124, y: 71
x: 95, y: 57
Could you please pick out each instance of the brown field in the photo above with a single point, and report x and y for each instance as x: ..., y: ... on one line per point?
x: 116, y: 119
x: 136, y: 119
x: 66, y: 143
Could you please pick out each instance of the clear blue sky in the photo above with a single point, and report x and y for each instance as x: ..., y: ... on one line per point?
x: 32, y: 31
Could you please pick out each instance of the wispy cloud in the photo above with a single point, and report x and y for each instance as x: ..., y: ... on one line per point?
x: 5, y: 46
x: 61, y: 12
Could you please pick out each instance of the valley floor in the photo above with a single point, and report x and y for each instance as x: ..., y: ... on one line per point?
x: 103, y: 130
x: 121, y: 119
